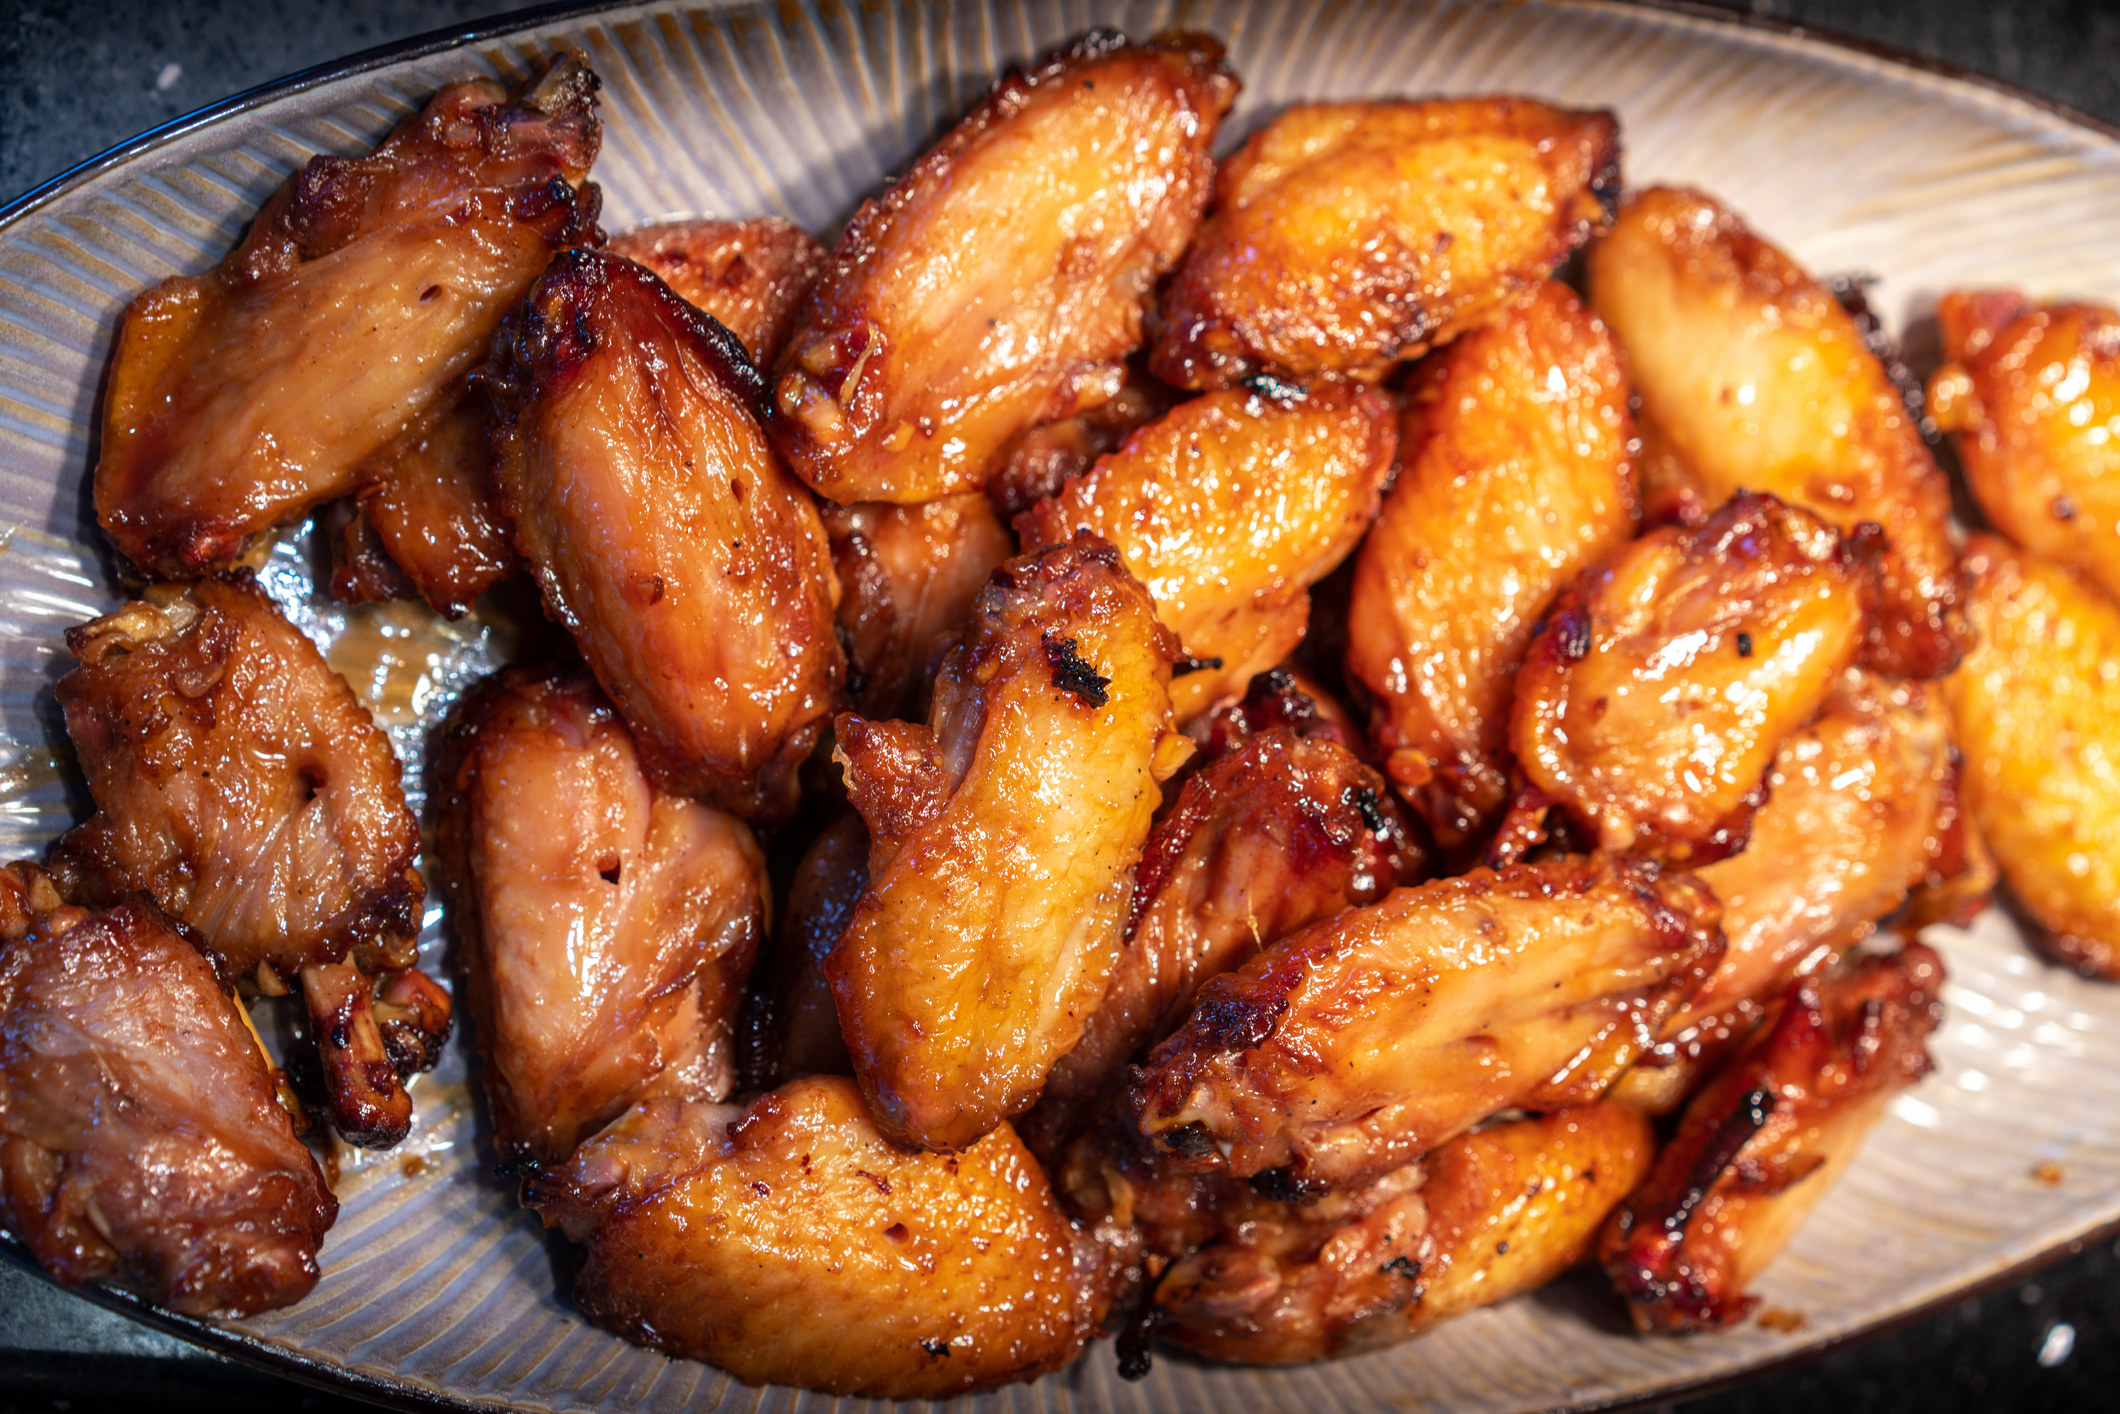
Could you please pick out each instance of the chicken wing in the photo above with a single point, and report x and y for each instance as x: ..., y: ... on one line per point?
x: 750, y: 275
x: 2037, y: 707
x: 605, y: 928
x: 1751, y: 376
x: 142, y: 1141
x: 1229, y: 508
x: 789, y: 1243
x: 1363, y: 1042
x: 790, y: 1027
x: 999, y: 284
x: 1005, y: 834
x: 2033, y: 396
x: 1762, y: 1144
x: 1347, y: 236
x: 908, y: 576
x: 692, y: 571
x: 344, y: 322
x: 1039, y: 462
x: 1516, y: 474
x: 1656, y: 694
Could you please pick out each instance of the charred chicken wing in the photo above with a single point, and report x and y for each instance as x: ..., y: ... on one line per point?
x: 692, y: 571
x: 1229, y: 508
x: 142, y: 1141
x: 788, y: 1242
x: 750, y: 275
x: 1005, y: 833
x: 1516, y: 474
x: 605, y: 927
x: 1752, y: 377
x: 1347, y: 236
x: 344, y: 322
x: 999, y: 284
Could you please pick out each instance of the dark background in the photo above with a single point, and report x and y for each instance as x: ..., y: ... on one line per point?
x: 77, y: 78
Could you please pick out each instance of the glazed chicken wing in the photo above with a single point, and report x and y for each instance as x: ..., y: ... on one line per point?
x: 241, y: 786
x: 1752, y: 377
x: 605, y: 927
x: 2033, y: 395
x: 1005, y: 833
x: 692, y: 571
x: 790, y: 1243
x: 345, y: 321
x: 142, y: 1141
x: 1762, y: 1144
x: 1364, y: 1042
x: 750, y: 275
x: 1039, y: 462
x: 1515, y: 475
x: 1655, y: 696
x: 908, y: 576
x: 2037, y: 707
x: 1229, y: 508
x: 999, y: 284
x: 1347, y: 236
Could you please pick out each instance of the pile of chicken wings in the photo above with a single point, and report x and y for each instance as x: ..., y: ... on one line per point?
x: 1251, y: 754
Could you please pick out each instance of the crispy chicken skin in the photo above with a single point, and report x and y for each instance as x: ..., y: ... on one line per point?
x: 1284, y: 828
x: 1004, y: 837
x: 908, y: 576
x: 1751, y: 376
x: 789, y: 1243
x: 1363, y: 1042
x: 1656, y: 694
x: 999, y: 284
x: 692, y: 571
x: 365, y: 290
x: 1490, y: 1214
x: 1347, y: 236
x: 605, y: 927
x: 790, y: 1026
x: 1769, y: 1135
x: 2037, y: 707
x: 750, y: 275
x: 1229, y: 508
x: 142, y: 1141
x: 1516, y: 474
x: 2033, y: 396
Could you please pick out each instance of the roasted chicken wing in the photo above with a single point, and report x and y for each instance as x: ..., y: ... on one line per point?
x: 1656, y: 694
x: 1004, y: 838
x: 999, y: 284
x: 1039, y: 462
x: 2037, y: 706
x: 605, y: 928
x: 750, y: 275
x: 1363, y: 1042
x: 142, y: 1141
x: 1752, y: 377
x: 2033, y: 395
x: 1515, y: 474
x: 1762, y: 1144
x: 1229, y: 508
x: 789, y: 1243
x: 1347, y: 236
x: 692, y: 571
x: 344, y: 322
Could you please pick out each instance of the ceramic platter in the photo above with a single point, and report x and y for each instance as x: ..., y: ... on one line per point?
x: 437, y: 1288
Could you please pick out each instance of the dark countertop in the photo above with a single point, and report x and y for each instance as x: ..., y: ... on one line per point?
x: 76, y: 78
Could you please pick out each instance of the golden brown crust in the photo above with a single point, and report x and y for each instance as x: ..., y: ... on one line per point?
x: 692, y: 571
x: 1004, y: 838
x: 1228, y: 508
x: 2037, y: 707
x: 751, y: 276
x: 1752, y: 376
x: 1516, y: 473
x: 1347, y: 236
x: 364, y: 292
x: 999, y: 284
x: 1653, y: 700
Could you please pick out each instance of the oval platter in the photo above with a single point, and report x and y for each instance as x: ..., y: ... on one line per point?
x: 438, y: 1290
